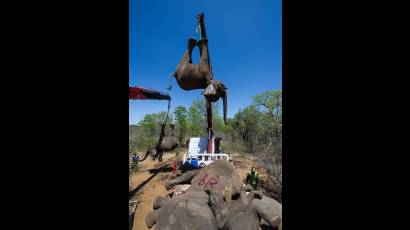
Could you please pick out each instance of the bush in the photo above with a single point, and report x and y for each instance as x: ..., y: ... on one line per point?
x: 271, y: 159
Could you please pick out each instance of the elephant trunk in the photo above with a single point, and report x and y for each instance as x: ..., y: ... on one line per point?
x: 145, y: 157
x: 218, y: 207
x: 225, y: 105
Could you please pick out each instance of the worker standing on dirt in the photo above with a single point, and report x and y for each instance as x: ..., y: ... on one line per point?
x: 252, y: 178
x: 135, y: 159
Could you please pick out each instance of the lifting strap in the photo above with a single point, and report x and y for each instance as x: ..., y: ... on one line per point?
x: 198, y: 31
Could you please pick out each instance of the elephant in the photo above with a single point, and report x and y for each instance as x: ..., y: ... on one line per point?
x: 170, y: 142
x: 191, y: 210
x: 236, y: 214
x: 185, y: 211
x: 165, y: 144
x: 217, y: 177
x: 244, y: 213
x: 198, y: 76
x: 214, y: 201
x: 270, y: 210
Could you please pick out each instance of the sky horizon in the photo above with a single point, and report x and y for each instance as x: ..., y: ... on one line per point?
x: 245, y: 46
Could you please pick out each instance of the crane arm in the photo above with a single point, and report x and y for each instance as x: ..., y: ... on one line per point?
x: 139, y: 93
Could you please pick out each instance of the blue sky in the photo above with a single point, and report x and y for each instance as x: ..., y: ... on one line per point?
x: 245, y: 47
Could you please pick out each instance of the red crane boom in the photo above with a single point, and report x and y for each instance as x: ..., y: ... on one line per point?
x: 139, y: 93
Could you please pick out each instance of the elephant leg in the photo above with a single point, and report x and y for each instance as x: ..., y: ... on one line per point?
x: 256, y: 194
x: 186, y: 58
x: 151, y: 218
x: 247, y: 199
x: 204, y: 59
x: 160, y: 153
x: 145, y: 157
x: 184, y: 178
x: 243, y: 196
x: 154, y: 153
x: 157, y: 154
x: 268, y: 209
x: 203, y: 66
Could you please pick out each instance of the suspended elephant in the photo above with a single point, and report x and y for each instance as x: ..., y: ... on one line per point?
x: 197, y: 76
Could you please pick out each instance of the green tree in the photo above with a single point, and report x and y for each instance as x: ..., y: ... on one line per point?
x: 246, y: 125
x: 197, y: 118
x: 270, y: 102
x: 146, y: 133
x: 181, y: 118
x: 228, y: 131
x: 217, y: 119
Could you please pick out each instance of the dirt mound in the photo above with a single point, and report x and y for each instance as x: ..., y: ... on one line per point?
x: 153, y: 187
x: 244, y: 165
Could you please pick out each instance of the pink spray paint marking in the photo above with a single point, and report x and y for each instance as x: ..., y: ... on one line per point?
x: 207, y: 182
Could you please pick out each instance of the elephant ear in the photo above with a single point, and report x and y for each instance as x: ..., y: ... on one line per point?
x: 210, y: 90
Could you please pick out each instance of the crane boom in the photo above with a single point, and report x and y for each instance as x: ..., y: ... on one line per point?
x: 139, y: 93
x: 201, y: 23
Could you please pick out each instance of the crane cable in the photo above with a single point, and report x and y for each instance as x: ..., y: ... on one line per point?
x: 169, y: 101
x: 169, y: 106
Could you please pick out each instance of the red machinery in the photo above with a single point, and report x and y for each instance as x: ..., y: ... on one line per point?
x: 139, y: 93
x: 201, y: 26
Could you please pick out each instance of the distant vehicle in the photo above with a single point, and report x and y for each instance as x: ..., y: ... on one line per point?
x: 197, y: 154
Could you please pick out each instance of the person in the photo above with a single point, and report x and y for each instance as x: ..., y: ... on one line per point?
x: 160, y: 153
x: 252, y: 178
x: 135, y: 159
